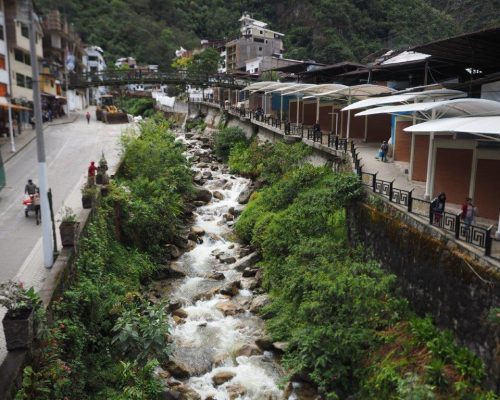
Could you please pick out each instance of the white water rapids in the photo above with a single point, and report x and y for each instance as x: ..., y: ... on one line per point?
x: 207, y: 340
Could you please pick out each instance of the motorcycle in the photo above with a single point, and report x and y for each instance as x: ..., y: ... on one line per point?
x: 28, y: 202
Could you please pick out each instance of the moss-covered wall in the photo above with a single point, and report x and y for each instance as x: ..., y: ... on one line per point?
x: 434, y: 274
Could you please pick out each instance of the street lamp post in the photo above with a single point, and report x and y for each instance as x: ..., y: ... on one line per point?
x: 48, y: 256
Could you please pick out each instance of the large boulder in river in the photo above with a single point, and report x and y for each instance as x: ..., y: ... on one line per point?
x: 203, y: 195
x: 259, y: 302
x: 231, y: 288
x: 197, y: 230
x: 218, y: 195
x: 245, y: 194
x: 228, y: 308
x: 247, y: 261
x: 236, y: 391
x: 170, y: 271
x: 248, y: 350
x: 177, y: 369
x: 173, y: 251
x: 222, y: 377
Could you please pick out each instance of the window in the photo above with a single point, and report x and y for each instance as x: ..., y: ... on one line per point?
x: 21, y: 56
x: 92, y: 58
x: 3, y: 89
x: 1, y: 30
x: 25, y: 31
x: 260, y: 48
x: 51, y: 83
x: 20, y: 80
x: 261, y: 32
x: 18, y: 55
x: 2, y: 61
x: 259, y: 40
x: 29, y: 82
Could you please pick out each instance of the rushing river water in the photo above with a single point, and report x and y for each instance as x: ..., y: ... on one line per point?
x: 217, y: 337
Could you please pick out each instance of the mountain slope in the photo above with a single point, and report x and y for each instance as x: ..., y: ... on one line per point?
x: 324, y: 30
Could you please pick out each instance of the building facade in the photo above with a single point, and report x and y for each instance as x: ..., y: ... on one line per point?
x: 256, y: 40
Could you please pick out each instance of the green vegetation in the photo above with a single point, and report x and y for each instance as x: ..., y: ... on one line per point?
x: 205, y: 62
x: 323, y: 30
x: 154, y: 181
x: 226, y: 139
x: 345, y: 326
x: 104, y: 339
x: 143, y: 106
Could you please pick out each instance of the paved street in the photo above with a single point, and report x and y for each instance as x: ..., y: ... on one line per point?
x: 69, y: 148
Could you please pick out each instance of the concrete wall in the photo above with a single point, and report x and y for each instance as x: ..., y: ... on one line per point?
x: 434, y: 274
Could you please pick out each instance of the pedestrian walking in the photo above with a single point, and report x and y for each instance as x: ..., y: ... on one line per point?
x: 384, y: 148
x: 469, y: 212
x: 88, y: 117
x: 91, y: 173
x: 36, y: 206
x: 437, y: 208
x: 316, y: 130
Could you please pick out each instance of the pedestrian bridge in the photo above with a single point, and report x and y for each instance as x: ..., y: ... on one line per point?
x: 132, y: 77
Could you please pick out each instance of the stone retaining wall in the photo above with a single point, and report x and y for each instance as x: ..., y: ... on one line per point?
x: 456, y: 286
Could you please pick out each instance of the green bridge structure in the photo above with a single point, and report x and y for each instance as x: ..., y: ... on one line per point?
x: 131, y: 77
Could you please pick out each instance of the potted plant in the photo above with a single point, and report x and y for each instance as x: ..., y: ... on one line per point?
x: 18, y: 321
x: 102, y: 176
x: 89, y: 193
x: 68, y: 228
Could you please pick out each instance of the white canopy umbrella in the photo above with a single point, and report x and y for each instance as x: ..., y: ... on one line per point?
x: 405, y: 97
x: 483, y: 125
x: 449, y: 108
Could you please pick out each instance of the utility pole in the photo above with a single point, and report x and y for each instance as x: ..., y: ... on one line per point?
x: 48, y: 255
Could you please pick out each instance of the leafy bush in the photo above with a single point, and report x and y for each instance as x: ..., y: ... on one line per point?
x: 143, y: 106
x: 226, y: 139
x: 153, y: 184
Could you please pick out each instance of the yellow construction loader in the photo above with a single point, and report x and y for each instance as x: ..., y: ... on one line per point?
x: 107, y: 112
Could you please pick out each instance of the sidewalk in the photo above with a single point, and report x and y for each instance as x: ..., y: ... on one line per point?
x: 28, y: 135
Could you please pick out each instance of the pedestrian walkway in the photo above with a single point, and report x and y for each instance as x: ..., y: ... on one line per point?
x: 28, y: 135
x: 397, y: 171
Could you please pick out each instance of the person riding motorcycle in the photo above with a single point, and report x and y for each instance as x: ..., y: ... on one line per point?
x: 30, y: 187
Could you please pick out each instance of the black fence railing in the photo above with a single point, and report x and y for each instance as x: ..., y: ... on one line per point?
x: 475, y: 235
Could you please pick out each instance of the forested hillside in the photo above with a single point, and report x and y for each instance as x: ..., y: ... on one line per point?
x: 322, y: 30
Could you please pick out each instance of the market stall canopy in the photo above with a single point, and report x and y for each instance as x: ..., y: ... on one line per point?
x: 319, y: 90
x: 405, y: 97
x: 259, y: 85
x: 449, y: 108
x: 489, y: 125
x: 295, y: 87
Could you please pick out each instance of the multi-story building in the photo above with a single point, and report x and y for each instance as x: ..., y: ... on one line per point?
x: 63, y: 51
x: 19, y: 59
x: 93, y: 59
x: 256, y: 40
x: 4, y: 75
x: 19, y: 50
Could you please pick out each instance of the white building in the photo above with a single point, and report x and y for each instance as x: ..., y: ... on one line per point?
x: 94, y: 59
x: 94, y: 63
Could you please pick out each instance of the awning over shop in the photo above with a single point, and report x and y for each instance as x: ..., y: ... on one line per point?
x: 406, y: 97
x: 449, y: 108
x: 489, y: 125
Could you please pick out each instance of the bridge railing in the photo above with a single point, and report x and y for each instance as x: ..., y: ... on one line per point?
x: 125, y: 77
